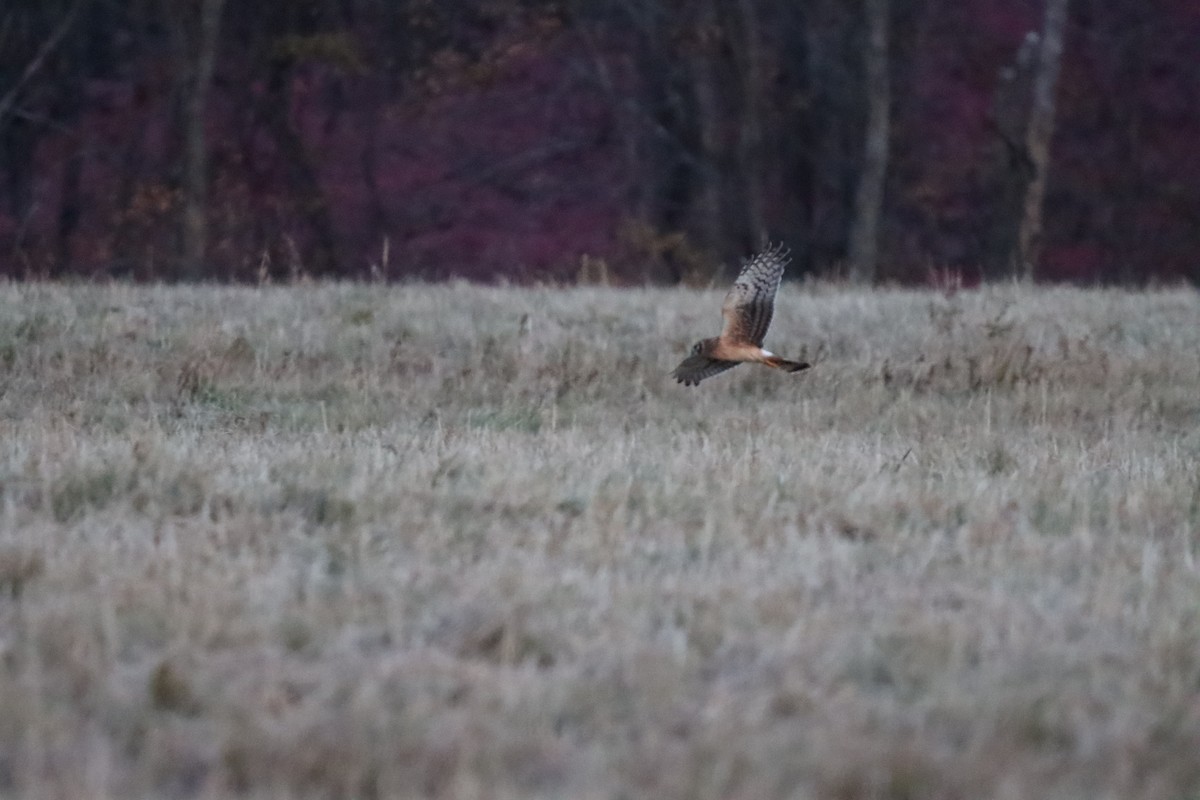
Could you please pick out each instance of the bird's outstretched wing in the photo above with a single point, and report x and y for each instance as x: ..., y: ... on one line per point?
x: 750, y: 304
x: 696, y: 368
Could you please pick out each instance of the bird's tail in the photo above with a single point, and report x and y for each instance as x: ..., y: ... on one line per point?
x: 785, y: 365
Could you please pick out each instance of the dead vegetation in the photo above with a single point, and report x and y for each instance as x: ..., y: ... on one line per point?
x: 453, y: 541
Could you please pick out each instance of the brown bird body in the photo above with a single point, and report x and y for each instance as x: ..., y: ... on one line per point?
x: 747, y: 311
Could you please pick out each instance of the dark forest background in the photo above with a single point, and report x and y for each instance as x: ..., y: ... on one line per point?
x: 618, y: 140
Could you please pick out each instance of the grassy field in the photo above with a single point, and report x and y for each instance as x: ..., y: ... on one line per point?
x: 466, y: 542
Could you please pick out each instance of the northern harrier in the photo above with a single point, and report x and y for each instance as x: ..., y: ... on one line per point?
x: 747, y: 311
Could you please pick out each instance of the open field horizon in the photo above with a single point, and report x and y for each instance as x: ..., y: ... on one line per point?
x: 457, y: 541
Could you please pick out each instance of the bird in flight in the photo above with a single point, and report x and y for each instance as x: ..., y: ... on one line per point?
x: 747, y: 311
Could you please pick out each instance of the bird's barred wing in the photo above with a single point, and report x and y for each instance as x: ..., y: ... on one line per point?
x: 750, y: 304
x: 696, y: 368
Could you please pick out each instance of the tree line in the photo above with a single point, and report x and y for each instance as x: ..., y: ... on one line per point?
x: 624, y: 140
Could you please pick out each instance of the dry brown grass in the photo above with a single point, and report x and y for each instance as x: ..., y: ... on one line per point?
x: 464, y: 542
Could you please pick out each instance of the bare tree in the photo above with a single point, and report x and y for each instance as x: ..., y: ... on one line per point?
x: 195, y: 36
x: 868, y: 201
x: 1012, y: 168
x: 753, y: 110
x: 1040, y: 133
x: 713, y: 201
x: 727, y: 72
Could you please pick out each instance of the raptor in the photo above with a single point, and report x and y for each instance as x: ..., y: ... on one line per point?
x: 747, y: 311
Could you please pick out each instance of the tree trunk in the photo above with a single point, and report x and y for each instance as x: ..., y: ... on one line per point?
x: 726, y: 74
x: 195, y: 40
x: 1011, y: 166
x: 1040, y: 133
x: 868, y: 201
x: 69, y: 211
x: 195, y: 215
x: 750, y: 135
x: 793, y: 145
x: 710, y: 211
x: 309, y: 198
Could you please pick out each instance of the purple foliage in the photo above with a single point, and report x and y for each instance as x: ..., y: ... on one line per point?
x: 519, y: 172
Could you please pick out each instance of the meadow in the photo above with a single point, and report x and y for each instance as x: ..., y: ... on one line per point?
x: 454, y: 541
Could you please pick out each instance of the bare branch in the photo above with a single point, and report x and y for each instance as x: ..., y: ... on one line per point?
x: 52, y: 41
